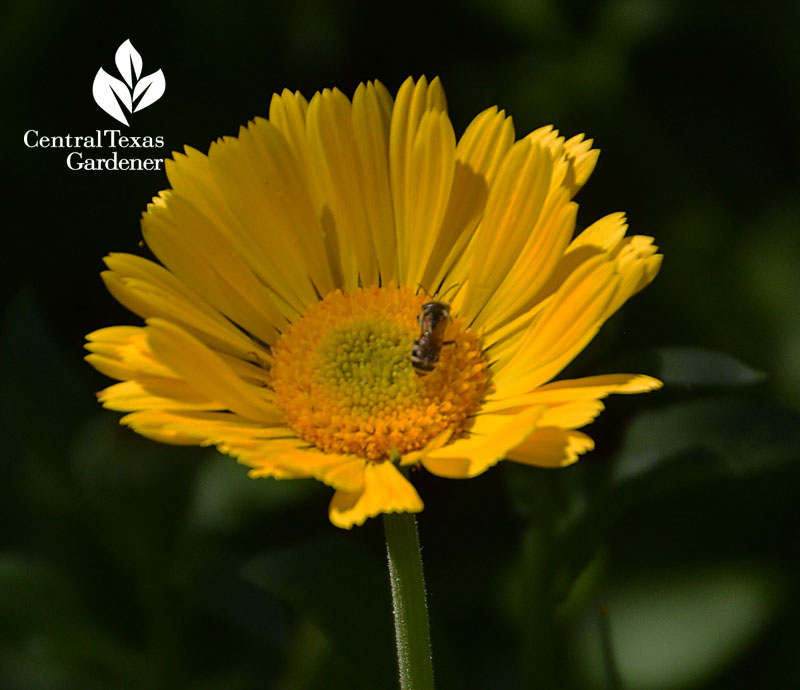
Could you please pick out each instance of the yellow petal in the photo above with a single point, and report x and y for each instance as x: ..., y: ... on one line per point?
x: 558, y: 392
x: 607, y: 236
x: 341, y: 178
x: 502, y: 342
x: 437, y: 441
x: 342, y: 472
x: 512, y: 211
x: 574, y: 159
x: 253, y: 368
x: 154, y: 393
x: 205, y: 428
x: 287, y: 112
x: 111, y: 367
x: 385, y: 490
x: 210, y: 266
x: 548, y: 447
x: 571, y: 415
x: 518, y: 294
x: 217, y: 238
x: 528, y: 281
x: 637, y: 264
x: 266, y: 192
x: 150, y: 424
x: 294, y: 227
x: 547, y: 138
x: 487, y: 444
x: 583, y: 159
x: 431, y: 168
x: 206, y: 371
x: 372, y: 112
x: 412, y: 102
x: 269, y: 447
x: 485, y: 142
x: 125, y: 348
x: 479, y: 153
x: 467, y: 201
x: 569, y: 321
x: 604, y: 234
x: 149, y: 290
x: 601, y: 386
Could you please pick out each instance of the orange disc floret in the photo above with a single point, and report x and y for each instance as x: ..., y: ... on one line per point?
x: 343, y: 376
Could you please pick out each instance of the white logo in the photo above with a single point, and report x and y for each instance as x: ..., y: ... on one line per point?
x: 134, y: 93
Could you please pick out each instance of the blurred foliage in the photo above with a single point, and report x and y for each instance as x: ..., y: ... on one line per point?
x: 666, y: 559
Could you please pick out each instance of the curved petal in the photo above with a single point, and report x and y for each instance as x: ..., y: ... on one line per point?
x: 637, y: 264
x: 203, y: 428
x: 122, y: 352
x: 385, y: 490
x: 552, y: 448
x: 219, y: 238
x: 341, y: 180
x: 153, y: 425
x: 414, y: 457
x: 568, y: 390
x: 571, y: 415
x: 485, y: 142
x: 490, y: 439
x: 583, y: 159
x: 204, y: 370
x: 431, y: 170
x: 259, y: 178
x: 372, y: 113
x: 154, y: 394
x: 563, y: 328
x: 607, y: 236
x: 511, y: 214
x: 604, y: 234
x: 479, y: 153
x: 600, y: 386
x: 149, y: 290
x: 211, y: 266
x: 342, y: 472
x: 517, y: 295
x: 287, y: 112
x: 414, y: 99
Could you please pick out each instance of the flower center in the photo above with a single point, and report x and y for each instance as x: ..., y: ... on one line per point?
x: 344, y: 378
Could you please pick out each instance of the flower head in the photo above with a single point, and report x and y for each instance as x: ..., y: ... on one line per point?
x: 303, y: 262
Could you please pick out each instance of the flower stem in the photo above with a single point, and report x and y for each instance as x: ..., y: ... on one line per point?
x: 408, y: 597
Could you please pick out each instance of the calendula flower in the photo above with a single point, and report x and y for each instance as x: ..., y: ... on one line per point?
x: 304, y: 261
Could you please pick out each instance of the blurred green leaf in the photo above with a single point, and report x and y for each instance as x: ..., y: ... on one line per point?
x: 337, y: 585
x: 744, y: 435
x: 693, y: 366
x: 688, y: 367
x: 663, y: 451
x: 673, y: 629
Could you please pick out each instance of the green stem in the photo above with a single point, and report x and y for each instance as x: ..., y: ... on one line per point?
x: 408, y: 597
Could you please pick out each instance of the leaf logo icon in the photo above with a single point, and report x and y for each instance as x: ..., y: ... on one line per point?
x: 134, y: 94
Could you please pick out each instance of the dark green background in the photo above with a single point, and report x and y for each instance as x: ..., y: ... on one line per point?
x: 125, y: 564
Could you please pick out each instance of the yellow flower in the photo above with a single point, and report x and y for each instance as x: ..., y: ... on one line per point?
x: 296, y: 260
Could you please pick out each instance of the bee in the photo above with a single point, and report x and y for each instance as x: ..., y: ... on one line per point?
x: 432, y: 323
